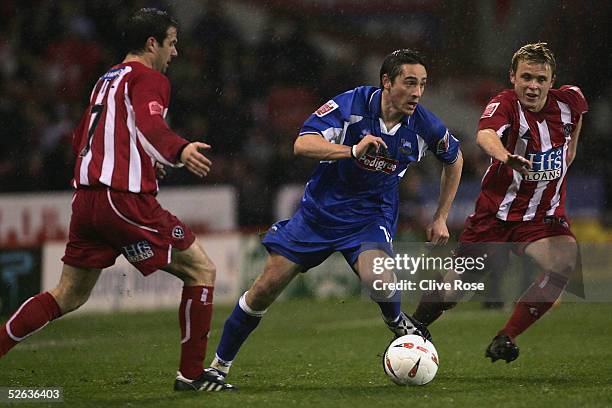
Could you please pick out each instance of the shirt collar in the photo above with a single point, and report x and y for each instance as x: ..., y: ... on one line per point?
x: 374, y: 107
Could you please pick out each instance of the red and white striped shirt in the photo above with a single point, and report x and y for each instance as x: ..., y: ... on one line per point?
x: 541, y: 137
x: 123, y: 132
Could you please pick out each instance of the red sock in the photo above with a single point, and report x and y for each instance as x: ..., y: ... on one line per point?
x: 536, y: 301
x: 33, y: 315
x: 195, y: 313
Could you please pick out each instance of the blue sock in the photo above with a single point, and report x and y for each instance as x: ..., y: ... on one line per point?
x: 238, y: 326
x: 391, y: 308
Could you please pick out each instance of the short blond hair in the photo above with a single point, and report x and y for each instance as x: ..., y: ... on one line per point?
x: 536, y: 52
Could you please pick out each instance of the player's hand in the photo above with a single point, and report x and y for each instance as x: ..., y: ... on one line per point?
x: 368, y: 142
x: 437, y: 232
x: 194, y: 160
x: 518, y: 163
x: 160, y: 171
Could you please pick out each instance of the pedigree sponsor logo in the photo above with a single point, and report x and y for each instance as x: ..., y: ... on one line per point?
x: 378, y: 163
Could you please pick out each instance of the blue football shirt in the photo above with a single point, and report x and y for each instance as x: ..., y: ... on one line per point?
x: 349, y: 193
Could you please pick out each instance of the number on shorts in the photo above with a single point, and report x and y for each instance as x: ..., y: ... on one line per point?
x: 387, y: 236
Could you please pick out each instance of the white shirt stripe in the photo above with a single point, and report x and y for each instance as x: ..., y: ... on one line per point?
x: 84, y: 168
x: 422, y: 147
x: 566, y: 117
x: 556, y: 199
x: 519, y: 148
x: 108, y: 163
x: 135, y: 165
x: 546, y: 145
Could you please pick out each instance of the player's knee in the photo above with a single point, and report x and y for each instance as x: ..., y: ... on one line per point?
x: 194, y: 267
x: 562, y: 265
x: 204, y: 272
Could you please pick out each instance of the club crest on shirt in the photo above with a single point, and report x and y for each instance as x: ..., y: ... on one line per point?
x: 178, y: 232
x: 567, y: 130
x: 405, y: 147
x: 489, y: 110
x: 327, y: 107
x: 137, y: 252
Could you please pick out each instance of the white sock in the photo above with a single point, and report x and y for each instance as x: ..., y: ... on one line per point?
x: 221, y: 365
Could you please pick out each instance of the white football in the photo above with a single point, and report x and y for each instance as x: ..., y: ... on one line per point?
x: 411, y: 360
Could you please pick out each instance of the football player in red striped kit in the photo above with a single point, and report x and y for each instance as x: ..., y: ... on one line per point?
x: 531, y: 133
x: 120, y: 142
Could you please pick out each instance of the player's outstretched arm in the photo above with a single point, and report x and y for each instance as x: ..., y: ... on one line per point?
x: 195, y: 161
x: 437, y: 231
x: 489, y: 141
x: 573, y: 144
x: 315, y: 146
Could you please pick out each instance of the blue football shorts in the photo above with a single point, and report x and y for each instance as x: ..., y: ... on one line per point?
x: 308, y: 244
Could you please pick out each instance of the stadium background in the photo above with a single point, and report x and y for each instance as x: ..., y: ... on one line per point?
x: 248, y: 74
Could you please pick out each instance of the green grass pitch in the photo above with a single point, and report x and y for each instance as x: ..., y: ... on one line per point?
x: 321, y: 354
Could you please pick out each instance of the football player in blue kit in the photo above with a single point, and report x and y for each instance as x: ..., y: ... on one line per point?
x: 365, y: 140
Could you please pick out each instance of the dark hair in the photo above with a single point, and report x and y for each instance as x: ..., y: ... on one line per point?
x: 392, y: 65
x: 536, y: 52
x: 145, y: 23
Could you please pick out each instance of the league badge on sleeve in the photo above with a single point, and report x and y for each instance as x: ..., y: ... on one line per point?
x: 489, y: 110
x: 443, y: 144
x: 326, y: 108
x: 155, y: 108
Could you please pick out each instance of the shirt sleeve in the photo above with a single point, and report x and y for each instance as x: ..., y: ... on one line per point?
x: 496, y: 116
x: 150, y: 95
x: 329, y: 119
x: 442, y: 143
x: 576, y: 99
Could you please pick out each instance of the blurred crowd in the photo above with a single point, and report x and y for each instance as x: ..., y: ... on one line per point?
x: 248, y: 95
